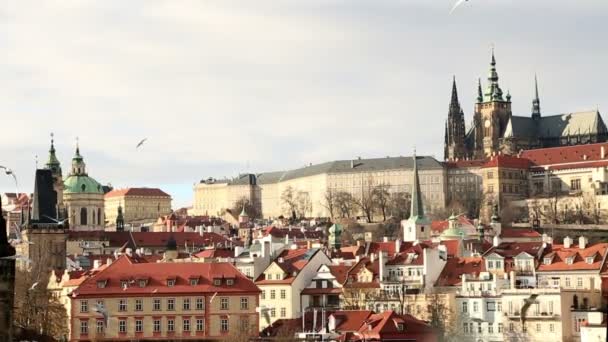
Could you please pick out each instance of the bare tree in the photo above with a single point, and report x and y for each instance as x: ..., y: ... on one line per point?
x: 592, y: 205
x: 288, y: 198
x: 303, y: 203
x: 344, y: 203
x: 365, y: 200
x: 399, y: 205
x: 381, y: 198
x: 252, y: 210
x: 329, y: 202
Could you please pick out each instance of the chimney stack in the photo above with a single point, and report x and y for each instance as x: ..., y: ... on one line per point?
x: 398, y: 246
x: 567, y: 242
x: 381, y: 265
x: 582, y: 242
x: 602, y: 152
x: 496, y: 241
x: 96, y: 264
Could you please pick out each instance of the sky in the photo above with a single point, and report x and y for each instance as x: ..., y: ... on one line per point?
x: 222, y: 87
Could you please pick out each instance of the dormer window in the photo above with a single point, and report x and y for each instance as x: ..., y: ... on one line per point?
x: 590, y: 259
x: 547, y: 261
x: 230, y: 282
x: 142, y: 282
x: 217, y: 281
x: 569, y: 260
x: 401, y: 327
x: 124, y: 284
x: 101, y: 284
x: 171, y: 282
x: 193, y: 281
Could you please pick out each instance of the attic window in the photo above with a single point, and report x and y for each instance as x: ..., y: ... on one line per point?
x: 171, y: 282
x: 217, y: 281
x: 101, y: 284
x: 400, y: 326
x: 547, y: 261
x: 142, y: 282
x: 569, y: 260
x: 124, y: 284
x: 230, y: 282
x: 193, y: 281
x: 590, y: 259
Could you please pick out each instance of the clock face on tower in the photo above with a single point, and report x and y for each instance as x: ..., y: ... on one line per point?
x: 487, y: 124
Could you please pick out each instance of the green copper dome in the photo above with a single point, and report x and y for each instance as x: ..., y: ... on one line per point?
x: 81, y: 184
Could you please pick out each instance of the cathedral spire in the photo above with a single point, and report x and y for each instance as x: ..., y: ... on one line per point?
x: 454, y: 102
x: 479, y: 91
x: 493, y: 91
x: 536, y: 101
x: 417, y: 209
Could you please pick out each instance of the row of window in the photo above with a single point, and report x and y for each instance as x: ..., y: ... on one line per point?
x: 199, y: 304
x: 507, y: 174
x: 283, y: 312
x: 273, y: 294
x: 468, y: 328
x: 490, y: 306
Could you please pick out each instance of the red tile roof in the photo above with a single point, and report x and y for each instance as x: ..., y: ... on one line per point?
x: 340, y: 272
x: 157, y: 274
x: 410, y: 256
x: 558, y: 255
x: 291, y: 261
x: 215, y: 253
x: 512, y: 249
x: 350, y: 252
x: 385, y: 326
x: 565, y: 154
x: 452, y: 272
x: 139, y: 192
x: 508, y: 162
x: 388, y: 247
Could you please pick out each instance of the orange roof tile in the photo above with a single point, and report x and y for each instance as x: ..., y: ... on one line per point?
x: 452, y: 272
x: 508, y: 162
x: 559, y: 255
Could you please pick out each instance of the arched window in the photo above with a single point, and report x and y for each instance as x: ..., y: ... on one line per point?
x: 99, y: 217
x: 83, y: 187
x: 83, y: 216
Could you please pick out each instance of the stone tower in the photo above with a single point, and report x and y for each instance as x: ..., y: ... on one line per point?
x: 492, y: 114
x: 417, y: 226
x: 454, y: 129
x: 46, y: 233
x: 55, y: 167
x: 7, y: 282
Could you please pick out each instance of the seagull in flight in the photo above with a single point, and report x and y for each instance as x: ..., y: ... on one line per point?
x: 10, y: 172
x: 17, y: 257
x: 527, y: 303
x: 33, y: 286
x: 99, y: 308
x: 19, y: 236
x: 457, y: 4
x: 141, y: 143
x: 56, y: 221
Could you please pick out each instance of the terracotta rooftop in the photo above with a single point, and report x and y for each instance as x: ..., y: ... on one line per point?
x: 215, y: 253
x: 508, y: 162
x: 566, y: 154
x: 291, y: 261
x: 512, y: 249
x: 140, y: 192
x: 558, y: 255
x: 156, y: 275
x: 452, y: 272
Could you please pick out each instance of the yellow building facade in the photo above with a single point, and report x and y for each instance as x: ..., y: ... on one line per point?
x: 138, y: 204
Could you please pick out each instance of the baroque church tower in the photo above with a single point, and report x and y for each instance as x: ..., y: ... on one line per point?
x: 455, y: 129
x: 417, y: 226
x: 492, y: 114
x: 55, y: 167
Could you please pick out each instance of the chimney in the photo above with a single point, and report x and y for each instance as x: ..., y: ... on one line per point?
x: 567, y: 242
x: 582, y: 242
x: 602, y: 152
x: 357, y: 258
x: 108, y: 262
x: 496, y: 241
x: 129, y: 252
x: 385, y: 239
x: 372, y: 257
x: 398, y: 246
x: 512, y: 279
x: 309, y: 244
x: 237, y: 251
x: 96, y: 264
x: 359, y: 243
x: 352, y: 164
x: 381, y: 265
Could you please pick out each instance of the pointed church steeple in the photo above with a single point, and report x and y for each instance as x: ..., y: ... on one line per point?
x: 53, y: 163
x: 455, y: 128
x: 493, y: 91
x: 536, y: 101
x: 479, y: 91
x: 417, y: 209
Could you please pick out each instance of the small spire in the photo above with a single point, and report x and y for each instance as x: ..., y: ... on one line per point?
x: 479, y: 91
x: 536, y: 101
x: 417, y: 209
x: 454, y: 103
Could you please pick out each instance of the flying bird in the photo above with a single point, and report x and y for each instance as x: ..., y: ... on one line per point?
x: 10, y: 172
x: 18, y: 236
x: 527, y: 303
x: 99, y: 308
x: 17, y: 257
x: 457, y: 4
x: 140, y: 144
x: 56, y: 221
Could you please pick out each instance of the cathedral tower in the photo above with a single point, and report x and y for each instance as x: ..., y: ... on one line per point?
x: 454, y: 129
x: 536, y: 101
x: 55, y: 167
x: 492, y: 113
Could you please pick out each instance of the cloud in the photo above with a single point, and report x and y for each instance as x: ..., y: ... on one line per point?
x: 223, y: 86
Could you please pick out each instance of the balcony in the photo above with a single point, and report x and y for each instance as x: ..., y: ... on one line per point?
x: 532, y: 315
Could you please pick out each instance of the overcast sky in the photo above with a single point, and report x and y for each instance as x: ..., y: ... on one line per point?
x: 225, y: 86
